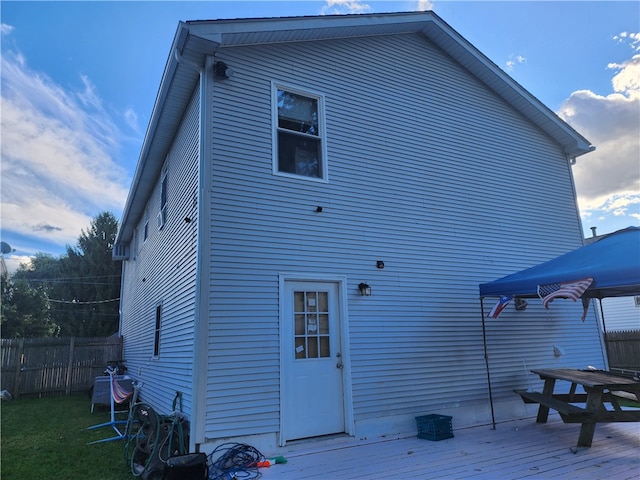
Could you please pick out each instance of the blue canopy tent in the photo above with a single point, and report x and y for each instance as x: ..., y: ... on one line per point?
x: 613, y: 262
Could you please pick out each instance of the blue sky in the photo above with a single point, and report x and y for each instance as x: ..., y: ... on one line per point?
x: 79, y: 80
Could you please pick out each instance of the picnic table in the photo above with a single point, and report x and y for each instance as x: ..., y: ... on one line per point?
x: 600, y: 386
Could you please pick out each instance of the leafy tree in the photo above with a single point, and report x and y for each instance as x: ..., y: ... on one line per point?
x: 25, y: 310
x: 42, y: 272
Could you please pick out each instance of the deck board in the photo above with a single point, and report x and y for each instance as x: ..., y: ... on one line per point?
x: 519, y: 449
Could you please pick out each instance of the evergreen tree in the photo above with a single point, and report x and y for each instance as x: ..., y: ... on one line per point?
x: 92, y: 281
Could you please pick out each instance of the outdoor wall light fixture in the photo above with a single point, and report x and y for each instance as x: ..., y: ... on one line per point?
x: 365, y: 290
x: 380, y: 264
x: 318, y: 209
x: 521, y: 304
x: 221, y: 70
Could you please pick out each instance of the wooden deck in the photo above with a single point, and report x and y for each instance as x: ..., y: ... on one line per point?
x: 514, y: 450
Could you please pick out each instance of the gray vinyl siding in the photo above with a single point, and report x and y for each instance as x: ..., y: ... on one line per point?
x: 428, y: 171
x: 621, y: 313
x: 163, y: 271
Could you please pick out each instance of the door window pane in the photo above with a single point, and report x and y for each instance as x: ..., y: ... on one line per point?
x: 299, y: 325
x: 312, y: 324
x: 323, y: 324
x: 323, y: 302
x: 324, y: 347
x: 301, y: 351
x: 312, y: 347
x: 298, y: 301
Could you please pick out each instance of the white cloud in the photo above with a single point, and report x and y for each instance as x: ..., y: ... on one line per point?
x: 608, y: 180
x: 334, y: 7
x: 58, y: 150
x: 514, y: 60
x: 627, y: 80
x: 5, y: 29
x: 424, y: 5
x: 633, y: 39
x: 12, y: 262
x: 131, y: 118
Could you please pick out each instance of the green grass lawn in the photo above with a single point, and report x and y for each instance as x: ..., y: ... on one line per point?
x: 46, y: 439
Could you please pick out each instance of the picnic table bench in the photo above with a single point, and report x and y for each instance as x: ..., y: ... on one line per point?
x: 600, y: 388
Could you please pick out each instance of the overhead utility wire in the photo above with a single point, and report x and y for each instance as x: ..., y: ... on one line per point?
x: 76, y: 277
x: 77, y: 280
x: 76, y: 302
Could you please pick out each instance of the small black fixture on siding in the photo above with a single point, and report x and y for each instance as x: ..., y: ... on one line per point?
x: 222, y: 70
x: 365, y: 290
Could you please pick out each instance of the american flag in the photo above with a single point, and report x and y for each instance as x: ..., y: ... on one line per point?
x: 572, y: 290
x: 498, y: 307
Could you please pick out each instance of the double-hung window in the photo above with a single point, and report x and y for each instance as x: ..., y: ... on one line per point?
x: 299, y: 138
x: 156, y: 331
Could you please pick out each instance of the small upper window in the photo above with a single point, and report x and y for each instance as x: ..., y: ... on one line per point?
x: 299, y: 144
x: 145, y: 228
x: 162, y: 214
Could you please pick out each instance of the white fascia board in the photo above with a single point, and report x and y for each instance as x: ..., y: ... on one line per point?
x: 253, y: 31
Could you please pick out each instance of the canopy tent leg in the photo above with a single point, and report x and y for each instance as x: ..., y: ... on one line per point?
x: 604, y: 333
x: 486, y: 361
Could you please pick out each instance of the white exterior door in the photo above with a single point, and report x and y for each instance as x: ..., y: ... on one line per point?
x: 313, y: 402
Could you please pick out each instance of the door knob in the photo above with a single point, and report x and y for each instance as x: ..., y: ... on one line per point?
x: 339, y: 365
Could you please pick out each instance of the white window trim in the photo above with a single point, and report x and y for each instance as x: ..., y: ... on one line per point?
x: 275, y: 86
x: 157, y: 329
x: 145, y: 225
x: 164, y: 186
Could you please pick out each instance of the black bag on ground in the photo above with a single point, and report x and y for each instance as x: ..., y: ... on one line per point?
x: 192, y: 466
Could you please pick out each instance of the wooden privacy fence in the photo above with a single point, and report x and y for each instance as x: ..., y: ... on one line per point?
x: 623, y: 348
x: 58, y: 366
x: 55, y: 366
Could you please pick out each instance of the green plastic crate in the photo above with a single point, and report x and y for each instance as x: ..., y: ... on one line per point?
x: 434, y: 427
